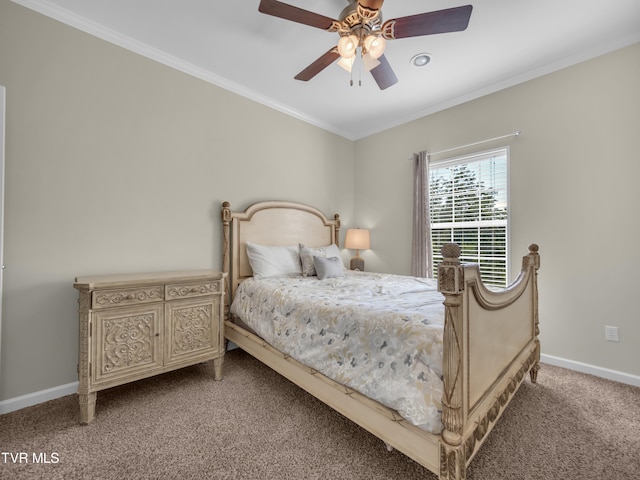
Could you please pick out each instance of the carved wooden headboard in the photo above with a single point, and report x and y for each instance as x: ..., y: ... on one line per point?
x: 270, y: 223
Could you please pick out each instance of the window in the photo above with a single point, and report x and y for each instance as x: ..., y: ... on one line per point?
x: 469, y: 205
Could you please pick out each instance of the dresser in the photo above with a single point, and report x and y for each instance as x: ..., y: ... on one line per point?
x: 134, y: 326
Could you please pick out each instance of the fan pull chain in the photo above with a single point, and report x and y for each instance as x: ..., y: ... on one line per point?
x: 351, y: 71
x: 355, y: 61
x: 353, y: 65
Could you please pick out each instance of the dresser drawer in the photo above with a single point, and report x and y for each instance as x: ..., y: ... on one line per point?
x: 127, y: 296
x: 196, y: 289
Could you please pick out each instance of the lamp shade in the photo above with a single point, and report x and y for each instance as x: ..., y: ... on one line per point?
x: 375, y: 45
x: 357, y: 239
x: 347, y: 45
x: 369, y: 62
x: 347, y: 63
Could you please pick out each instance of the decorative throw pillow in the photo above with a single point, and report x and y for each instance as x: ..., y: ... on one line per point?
x: 328, y: 267
x: 271, y: 261
x: 307, y: 254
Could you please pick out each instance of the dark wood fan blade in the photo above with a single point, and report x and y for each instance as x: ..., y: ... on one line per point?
x: 383, y: 74
x: 320, y: 64
x: 295, y: 14
x: 441, y: 21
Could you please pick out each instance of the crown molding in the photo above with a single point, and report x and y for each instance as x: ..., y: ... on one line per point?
x: 545, y: 69
x: 100, y: 31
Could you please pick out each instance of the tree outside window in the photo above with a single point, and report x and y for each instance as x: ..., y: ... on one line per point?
x: 469, y: 206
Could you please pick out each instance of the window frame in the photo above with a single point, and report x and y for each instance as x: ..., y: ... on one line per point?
x: 467, y: 159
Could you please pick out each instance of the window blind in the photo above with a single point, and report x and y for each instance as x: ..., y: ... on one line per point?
x: 469, y: 205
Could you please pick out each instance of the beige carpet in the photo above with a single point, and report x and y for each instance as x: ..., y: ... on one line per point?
x: 256, y: 425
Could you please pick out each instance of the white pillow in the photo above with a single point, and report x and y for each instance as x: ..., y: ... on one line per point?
x: 307, y: 254
x: 328, y: 267
x: 271, y: 261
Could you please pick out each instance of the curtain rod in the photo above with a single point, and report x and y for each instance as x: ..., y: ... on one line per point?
x: 514, y: 134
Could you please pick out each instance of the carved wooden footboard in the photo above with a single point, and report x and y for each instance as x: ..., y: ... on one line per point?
x: 490, y: 340
x: 490, y: 343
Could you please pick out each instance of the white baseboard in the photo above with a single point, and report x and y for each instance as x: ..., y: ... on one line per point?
x: 601, y: 372
x: 18, y: 403
x: 34, y: 398
x: 42, y: 396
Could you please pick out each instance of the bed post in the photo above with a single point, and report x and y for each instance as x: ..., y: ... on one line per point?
x: 453, y: 456
x: 225, y: 215
x: 336, y: 228
x: 532, y: 260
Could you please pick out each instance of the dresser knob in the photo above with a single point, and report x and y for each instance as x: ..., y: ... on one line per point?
x: 157, y: 334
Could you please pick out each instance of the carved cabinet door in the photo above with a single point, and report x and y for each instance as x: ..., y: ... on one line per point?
x: 192, y: 329
x: 128, y: 342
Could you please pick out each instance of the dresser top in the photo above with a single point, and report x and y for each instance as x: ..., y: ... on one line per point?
x: 118, y: 280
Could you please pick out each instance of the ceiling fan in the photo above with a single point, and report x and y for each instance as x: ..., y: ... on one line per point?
x: 360, y: 27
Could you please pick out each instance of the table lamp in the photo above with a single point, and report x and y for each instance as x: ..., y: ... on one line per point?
x: 357, y: 239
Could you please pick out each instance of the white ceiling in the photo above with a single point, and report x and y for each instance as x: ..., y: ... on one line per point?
x: 230, y: 44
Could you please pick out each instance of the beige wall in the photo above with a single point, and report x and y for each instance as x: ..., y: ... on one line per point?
x: 115, y: 163
x: 574, y: 191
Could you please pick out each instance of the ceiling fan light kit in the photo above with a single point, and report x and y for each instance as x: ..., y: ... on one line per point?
x: 347, y: 62
x: 374, y: 46
x: 369, y: 62
x: 348, y: 45
x: 360, y: 28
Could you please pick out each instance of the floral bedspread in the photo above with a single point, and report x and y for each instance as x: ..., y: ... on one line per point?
x: 378, y: 334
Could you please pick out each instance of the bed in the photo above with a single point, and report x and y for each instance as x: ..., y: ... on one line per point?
x: 489, y: 339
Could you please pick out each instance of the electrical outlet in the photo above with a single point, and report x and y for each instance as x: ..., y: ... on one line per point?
x: 611, y: 334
